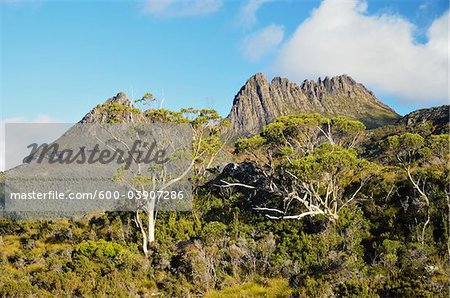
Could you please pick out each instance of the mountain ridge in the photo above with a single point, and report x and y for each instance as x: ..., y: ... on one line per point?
x: 260, y: 102
x: 267, y: 100
x: 438, y: 117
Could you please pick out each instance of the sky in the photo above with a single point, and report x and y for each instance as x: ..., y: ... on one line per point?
x: 61, y: 58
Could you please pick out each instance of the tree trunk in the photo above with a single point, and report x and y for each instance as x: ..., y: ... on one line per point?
x: 448, y: 225
x: 151, y: 226
x: 424, y: 229
x: 427, y: 202
x: 144, y: 235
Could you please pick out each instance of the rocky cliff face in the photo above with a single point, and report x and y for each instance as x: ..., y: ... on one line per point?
x: 260, y: 102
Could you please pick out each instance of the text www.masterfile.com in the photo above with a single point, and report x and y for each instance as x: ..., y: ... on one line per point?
x: 100, y: 195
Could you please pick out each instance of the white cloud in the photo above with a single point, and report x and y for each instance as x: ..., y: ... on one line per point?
x: 247, y: 15
x: 181, y: 8
x: 32, y: 135
x: 378, y: 50
x: 262, y: 42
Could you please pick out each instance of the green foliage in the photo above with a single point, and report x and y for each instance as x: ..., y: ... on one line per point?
x: 226, y: 248
x: 439, y: 145
x: 313, y: 157
x: 405, y: 148
x: 268, y: 288
x: 213, y: 230
x: 99, y: 251
x: 327, y: 162
x: 115, y: 113
x: 297, y: 135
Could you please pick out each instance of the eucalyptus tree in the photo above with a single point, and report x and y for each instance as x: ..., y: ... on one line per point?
x: 418, y: 157
x: 206, y: 128
x: 312, y: 162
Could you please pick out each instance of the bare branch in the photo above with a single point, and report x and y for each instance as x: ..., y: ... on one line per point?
x: 268, y: 209
x: 228, y: 184
x: 299, y: 216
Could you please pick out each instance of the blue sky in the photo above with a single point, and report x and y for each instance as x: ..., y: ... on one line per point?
x: 61, y: 58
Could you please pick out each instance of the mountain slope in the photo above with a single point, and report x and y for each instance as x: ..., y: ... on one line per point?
x: 259, y: 102
x: 438, y: 117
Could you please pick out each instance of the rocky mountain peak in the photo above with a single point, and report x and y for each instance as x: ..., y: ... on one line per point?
x: 120, y: 98
x: 118, y: 106
x: 255, y: 83
x: 259, y: 102
x: 343, y: 85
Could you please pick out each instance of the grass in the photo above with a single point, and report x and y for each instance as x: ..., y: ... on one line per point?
x: 273, y: 288
x: 11, y: 244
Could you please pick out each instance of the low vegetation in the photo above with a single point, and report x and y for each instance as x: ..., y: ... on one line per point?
x: 327, y: 209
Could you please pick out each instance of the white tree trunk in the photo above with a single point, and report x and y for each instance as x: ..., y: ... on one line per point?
x: 144, y: 235
x: 151, y: 226
x: 427, y: 202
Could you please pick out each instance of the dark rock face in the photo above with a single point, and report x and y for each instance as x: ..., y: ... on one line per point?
x: 246, y: 173
x: 438, y: 116
x: 260, y: 102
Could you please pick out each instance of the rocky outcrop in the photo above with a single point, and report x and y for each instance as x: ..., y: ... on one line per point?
x: 438, y: 117
x: 260, y: 102
x: 117, y: 109
x: 249, y: 174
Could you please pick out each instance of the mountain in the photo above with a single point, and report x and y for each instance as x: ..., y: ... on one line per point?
x: 438, y: 117
x: 260, y: 102
x: 116, y: 109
